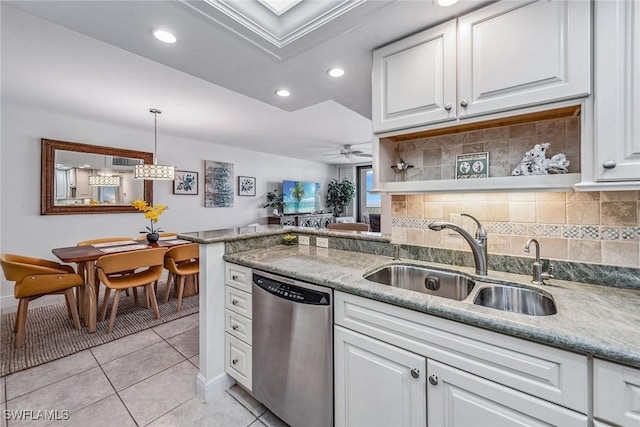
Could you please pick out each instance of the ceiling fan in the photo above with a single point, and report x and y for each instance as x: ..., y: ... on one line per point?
x: 347, y: 152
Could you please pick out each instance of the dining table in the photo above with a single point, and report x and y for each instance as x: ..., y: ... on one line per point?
x: 86, y: 256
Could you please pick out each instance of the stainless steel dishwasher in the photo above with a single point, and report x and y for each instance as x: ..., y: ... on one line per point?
x: 293, y: 349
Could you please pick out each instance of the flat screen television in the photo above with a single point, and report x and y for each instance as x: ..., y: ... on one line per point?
x: 301, y: 197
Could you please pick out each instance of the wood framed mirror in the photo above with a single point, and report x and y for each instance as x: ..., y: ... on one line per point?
x: 90, y: 179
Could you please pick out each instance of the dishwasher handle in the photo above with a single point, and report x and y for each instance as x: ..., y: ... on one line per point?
x: 292, y: 292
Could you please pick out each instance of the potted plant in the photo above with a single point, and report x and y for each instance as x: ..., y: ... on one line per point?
x: 339, y: 195
x: 275, y: 201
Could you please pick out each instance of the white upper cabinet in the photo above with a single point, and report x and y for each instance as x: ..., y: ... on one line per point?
x: 617, y: 92
x: 509, y: 55
x: 517, y: 54
x: 414, y: 80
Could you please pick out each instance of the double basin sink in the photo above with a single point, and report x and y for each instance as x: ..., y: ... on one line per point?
x: 461, y: 287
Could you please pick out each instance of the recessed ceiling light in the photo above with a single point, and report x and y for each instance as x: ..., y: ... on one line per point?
x: 445, y: 3
x: 283, y: 92
x: 335, y: 72
x: 164, y: 36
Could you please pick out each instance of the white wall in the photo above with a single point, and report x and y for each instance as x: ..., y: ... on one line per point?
x: 25, y: 231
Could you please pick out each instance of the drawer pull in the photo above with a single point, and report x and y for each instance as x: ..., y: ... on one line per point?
x: 234, y: 361
x: 433, y: 379
x: 235, y: 277
x: 235, y: 302
x: 234, y: 327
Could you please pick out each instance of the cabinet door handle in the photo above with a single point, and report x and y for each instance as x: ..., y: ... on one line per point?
x: 234, y: 277
x: 609, y: 164
x: 415, y: 373
x: 433, y: 379
x: 448, y: 107
x: 234, y: 361
x: 234, y: 302
x: 464, y: 103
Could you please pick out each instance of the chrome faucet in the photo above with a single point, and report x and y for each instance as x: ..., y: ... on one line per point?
x: 478, y: 244
x: 538, y: 275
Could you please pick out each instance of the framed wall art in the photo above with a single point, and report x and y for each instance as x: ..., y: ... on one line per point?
x: 472, y: 165
x: 246, y: 186
x: 218, y: 184
x: 186, y: 182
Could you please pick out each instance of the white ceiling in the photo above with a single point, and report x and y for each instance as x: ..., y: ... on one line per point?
x: 237, y: 69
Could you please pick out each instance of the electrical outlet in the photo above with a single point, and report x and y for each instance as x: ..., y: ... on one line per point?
x: 303, y: 240
x: 322, y: 242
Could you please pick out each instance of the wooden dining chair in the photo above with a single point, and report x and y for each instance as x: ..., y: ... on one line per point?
x: 355, y: 226
x: 97, y: 241
x: 36, y: 277
x: 181, y: 262
x: 147, y: 265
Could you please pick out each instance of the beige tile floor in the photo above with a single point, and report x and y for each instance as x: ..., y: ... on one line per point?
x: 145, y: 379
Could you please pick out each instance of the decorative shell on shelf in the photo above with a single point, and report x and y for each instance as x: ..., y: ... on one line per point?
x: 534, y: 162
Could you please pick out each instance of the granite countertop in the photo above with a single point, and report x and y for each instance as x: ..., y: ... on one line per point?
x: 597, y: 320
x: 241, y: 233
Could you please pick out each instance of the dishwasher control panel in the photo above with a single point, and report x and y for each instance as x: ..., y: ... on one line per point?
x: 292, y: 292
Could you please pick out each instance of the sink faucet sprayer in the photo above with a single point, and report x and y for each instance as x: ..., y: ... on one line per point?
x: 478, y: 244
x: 538, y: 275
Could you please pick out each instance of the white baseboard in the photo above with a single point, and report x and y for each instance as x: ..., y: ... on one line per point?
x: 208, y: 390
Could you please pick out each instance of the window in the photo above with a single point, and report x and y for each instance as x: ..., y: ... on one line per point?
x: 368, y: 203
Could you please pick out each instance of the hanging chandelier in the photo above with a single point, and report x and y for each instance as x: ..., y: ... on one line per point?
x: 154, y: 171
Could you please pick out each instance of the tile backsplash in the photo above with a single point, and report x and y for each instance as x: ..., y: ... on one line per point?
x: 593, y: 227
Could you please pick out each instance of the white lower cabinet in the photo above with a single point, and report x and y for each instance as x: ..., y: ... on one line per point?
x: 616, y: 396
x: 377, y: 384
x: 473, y: 377
x: 238, y: 326
x: 459, y: 398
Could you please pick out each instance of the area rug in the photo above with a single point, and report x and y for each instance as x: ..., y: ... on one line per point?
x: 50, y: 334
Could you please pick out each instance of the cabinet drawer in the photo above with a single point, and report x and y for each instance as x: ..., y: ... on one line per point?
x: 549, y: 373
x: 238, y: 301
x: 237, y: 276
x: 238, y: 326
x: 616, y: 393
x: 237, y: 360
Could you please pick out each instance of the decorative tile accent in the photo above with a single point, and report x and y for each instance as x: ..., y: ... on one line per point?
x: 570, y: 231
x: 552, y: 230
x: 630, y: 233
x: 536, y: 229
x: 520, y: 229
x: 503, y: 228
x: 610, y: 233
x: 589, y: 232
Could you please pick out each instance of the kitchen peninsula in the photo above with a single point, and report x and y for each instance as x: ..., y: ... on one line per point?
x: 594, y: 323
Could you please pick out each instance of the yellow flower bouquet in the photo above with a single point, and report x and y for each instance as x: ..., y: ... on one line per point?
x: 289, y: 239
x: 152, y: 213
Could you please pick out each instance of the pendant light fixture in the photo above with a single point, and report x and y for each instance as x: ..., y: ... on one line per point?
x: 155, y: 171
x: 104, y: 179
